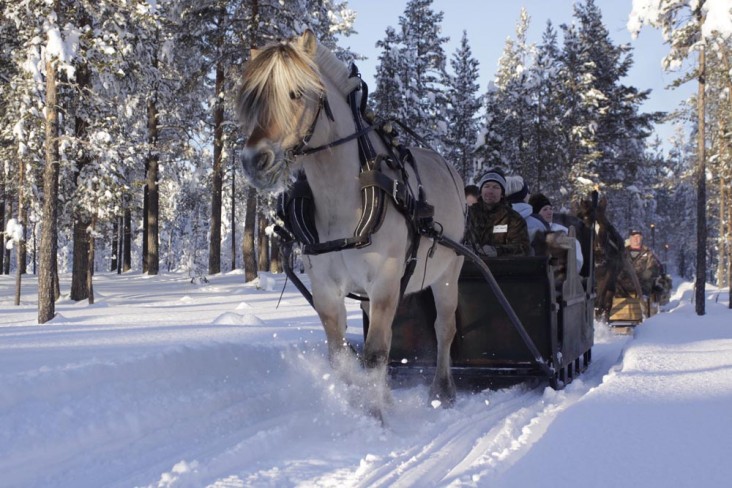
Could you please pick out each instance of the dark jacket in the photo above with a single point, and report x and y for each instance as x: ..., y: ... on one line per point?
x: 499, y: 226
x: 647, y: 267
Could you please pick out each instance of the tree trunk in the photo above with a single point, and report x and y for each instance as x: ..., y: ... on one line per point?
x: 153, y: 257
x: 20, y: 246
x: 145, y: 211
x: 18, y: 279
x: 47, y: 279
x: 729, y: 252
x: 3, y: 197
x: 127, y: 241
x: 80, y: 265
x: 723, y: 251
x: 90, y: 260
x: 701, y: 190
x: 247, y: 247
x: 6, y: 251
x: 21, y: 250
x: 262, y: 241
x: 233, y: 211
x: 214, y: 247
x: 34, y: 231
x: 275, y: 263
x: 115, y: 245
x: 82, y: 220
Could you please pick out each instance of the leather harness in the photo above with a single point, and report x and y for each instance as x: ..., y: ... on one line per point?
x: 296, y: 207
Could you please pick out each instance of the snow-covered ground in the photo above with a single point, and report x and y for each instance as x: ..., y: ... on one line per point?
x: 165, y: 383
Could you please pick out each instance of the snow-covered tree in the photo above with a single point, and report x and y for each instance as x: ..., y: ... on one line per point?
x: 489, y: 143
x: 464, y: 105
x: 511, y: 101
x: 688, y: 27
x: 387, y: 99
x: 413, y: 62
x: 546, y: 141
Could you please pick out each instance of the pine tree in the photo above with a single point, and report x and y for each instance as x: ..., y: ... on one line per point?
x: 387, y: 100
x: 463, y: 107
x: 506, y: 139
x: 683, y: 25
x: 619, y: 128
x: 546, y: 142
x: 421, y: 71
x: 489, y: 146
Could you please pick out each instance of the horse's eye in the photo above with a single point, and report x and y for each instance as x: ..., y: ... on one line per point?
x: 295, y: 95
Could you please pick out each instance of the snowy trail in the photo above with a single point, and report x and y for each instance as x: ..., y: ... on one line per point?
x: 162, y: 383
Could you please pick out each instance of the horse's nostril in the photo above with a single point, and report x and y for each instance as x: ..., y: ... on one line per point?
x: 263, y: 160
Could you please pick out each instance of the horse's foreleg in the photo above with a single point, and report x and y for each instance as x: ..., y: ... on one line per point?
x: 445, y: 291
x: 382, y: 309
x: 332, y: 312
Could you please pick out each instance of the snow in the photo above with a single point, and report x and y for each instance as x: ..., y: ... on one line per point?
x: 718, y: 19
x: 167, y: 383
x: 717, y: 16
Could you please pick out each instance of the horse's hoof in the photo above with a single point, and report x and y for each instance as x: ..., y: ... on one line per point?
x: 376, y: 413
x: 375, y: 359
x: 443, y: 394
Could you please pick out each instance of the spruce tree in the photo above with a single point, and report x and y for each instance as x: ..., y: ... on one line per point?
x: 387, y: 99
x: 546, y: 142
x: 423, y: 71
x: 463, y: 109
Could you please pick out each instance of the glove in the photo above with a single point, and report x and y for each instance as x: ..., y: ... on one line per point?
x: 489, y: 251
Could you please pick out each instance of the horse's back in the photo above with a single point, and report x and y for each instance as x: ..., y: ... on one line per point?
x: 444, y: 189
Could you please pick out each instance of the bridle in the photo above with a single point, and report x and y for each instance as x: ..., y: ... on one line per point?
x: 301, y: 149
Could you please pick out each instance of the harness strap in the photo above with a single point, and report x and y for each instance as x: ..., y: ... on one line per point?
x: 336, y: 245
x: 373, y: 208
x: 394, y: 188
x: 375, y: 186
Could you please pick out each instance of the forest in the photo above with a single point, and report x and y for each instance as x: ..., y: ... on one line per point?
x: 119, y: 137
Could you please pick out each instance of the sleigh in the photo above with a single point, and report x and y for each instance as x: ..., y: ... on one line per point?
x: 629, y: 311
x: 489, y: 350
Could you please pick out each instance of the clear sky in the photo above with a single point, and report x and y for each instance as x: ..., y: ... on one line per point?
x: 490, y: 22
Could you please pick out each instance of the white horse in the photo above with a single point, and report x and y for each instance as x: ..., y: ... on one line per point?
x: 294, y: 95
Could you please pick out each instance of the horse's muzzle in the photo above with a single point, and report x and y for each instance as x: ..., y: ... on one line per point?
x: 263, y: 165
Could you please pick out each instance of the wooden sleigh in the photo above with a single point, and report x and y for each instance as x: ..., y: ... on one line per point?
x: 488, y: 351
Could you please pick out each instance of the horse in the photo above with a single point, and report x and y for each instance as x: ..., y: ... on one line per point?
x: 293, y: 105
x: 610, y: 256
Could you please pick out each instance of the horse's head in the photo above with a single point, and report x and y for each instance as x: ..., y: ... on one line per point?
x: 279, y: 101
x: 585, y: 211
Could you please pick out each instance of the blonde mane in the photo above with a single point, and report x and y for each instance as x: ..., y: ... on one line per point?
x: 271, y: 79
x: 281, y: 71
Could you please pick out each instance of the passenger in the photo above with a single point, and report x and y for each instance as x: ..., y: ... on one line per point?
x: 543, y: 211
x: 517, y: 194
x: 493, y: 228
x: 472, y: 193
x: 647, y: 266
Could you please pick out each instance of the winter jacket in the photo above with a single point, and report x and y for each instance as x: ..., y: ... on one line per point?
x: 498, y: 226
x: 647, y: 267
x: 533, y: 223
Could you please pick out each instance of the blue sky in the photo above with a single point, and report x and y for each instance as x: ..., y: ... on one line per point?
x: 490, y: 22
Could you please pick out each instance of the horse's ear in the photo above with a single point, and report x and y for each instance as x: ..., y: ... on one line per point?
x: 602, y: 204
x: 253, y: 52
x: 308, y: 42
